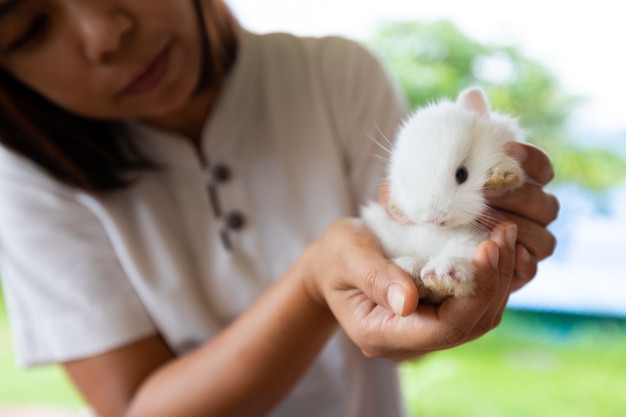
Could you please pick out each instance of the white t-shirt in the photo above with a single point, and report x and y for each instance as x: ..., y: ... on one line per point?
x: 295, y: 127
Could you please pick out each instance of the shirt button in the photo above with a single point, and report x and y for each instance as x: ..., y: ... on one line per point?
x: 221, y: 173
x: 235, y: 220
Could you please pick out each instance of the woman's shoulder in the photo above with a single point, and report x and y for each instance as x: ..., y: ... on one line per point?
x: 324, y: 49
x: 286, y: 40
x: 335, y: 65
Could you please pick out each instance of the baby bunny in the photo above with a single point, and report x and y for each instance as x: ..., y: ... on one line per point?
x: 446, y: 155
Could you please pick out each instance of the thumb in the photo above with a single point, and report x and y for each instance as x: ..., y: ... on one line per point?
x: 401, y: 300
x: 385, y: 283
x: 391, y: 287
x: 366, y: 269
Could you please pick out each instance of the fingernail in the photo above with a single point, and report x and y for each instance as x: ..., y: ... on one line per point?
x: 524, y: 254
x: 511, y: 235
x: 494, y: 256
x: 395, y: 298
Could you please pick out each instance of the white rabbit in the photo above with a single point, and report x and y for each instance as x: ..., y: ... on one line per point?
x: 445, y: 156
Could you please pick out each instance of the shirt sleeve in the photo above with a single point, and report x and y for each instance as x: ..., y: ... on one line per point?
x: 66, y: 293
x: 369, y: 106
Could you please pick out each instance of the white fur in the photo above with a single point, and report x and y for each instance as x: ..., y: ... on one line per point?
x: 431, y: 146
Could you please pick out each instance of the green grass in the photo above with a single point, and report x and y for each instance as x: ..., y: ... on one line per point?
x: 532, y: 365
x: 540, y: 365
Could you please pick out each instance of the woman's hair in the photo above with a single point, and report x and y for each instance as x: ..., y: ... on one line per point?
x: 94, y: 155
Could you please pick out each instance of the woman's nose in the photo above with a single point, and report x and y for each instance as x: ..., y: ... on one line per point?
x: 102, y: 30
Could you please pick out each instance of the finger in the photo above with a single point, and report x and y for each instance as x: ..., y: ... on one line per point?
x: 525, y: 268
x: 538, y: 240
x: 535, y: 162
x: 535, y: 243
x: 382, y: 281
x: 433, y: 327
x: 529, y: 201
x: 467, y: 318
x: 457, y: 319
x: 504, y: 236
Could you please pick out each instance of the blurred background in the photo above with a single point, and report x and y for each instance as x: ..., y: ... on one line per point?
x: 559, y: 67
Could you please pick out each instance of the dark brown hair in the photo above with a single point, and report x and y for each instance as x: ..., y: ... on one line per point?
x: 94, y: 155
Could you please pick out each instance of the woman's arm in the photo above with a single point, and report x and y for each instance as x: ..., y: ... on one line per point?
x: 243, y: 371
x: 255, y: 361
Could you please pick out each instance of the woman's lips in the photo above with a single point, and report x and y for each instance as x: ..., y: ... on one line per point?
x: 152, y: 74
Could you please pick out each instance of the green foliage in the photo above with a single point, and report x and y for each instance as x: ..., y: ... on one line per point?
x: 434, y: 60
x: 593, y: 168
x: 532, y: 365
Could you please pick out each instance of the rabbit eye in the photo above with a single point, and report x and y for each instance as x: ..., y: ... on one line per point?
x: 461, y: 175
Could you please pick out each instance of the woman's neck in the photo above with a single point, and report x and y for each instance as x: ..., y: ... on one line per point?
x: 190, y: 119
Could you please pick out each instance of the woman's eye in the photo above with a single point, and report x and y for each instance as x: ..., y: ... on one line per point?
x: 35, y: 29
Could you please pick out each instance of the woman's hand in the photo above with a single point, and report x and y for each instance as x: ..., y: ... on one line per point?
x: 363, y: 289
x: 531, y: 208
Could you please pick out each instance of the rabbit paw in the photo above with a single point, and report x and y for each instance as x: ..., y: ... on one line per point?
x: 507, y: 175
x: 441, y: 279
x: 410, y: 264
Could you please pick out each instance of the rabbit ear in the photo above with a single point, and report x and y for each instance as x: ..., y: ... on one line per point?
x: 474, y: 99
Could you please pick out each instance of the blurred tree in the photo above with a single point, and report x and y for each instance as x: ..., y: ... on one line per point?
x: 434, y: 60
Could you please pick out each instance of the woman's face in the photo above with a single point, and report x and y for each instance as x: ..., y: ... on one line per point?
x: 106, y: 59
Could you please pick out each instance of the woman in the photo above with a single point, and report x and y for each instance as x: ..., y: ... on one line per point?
x: 175, y: 223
